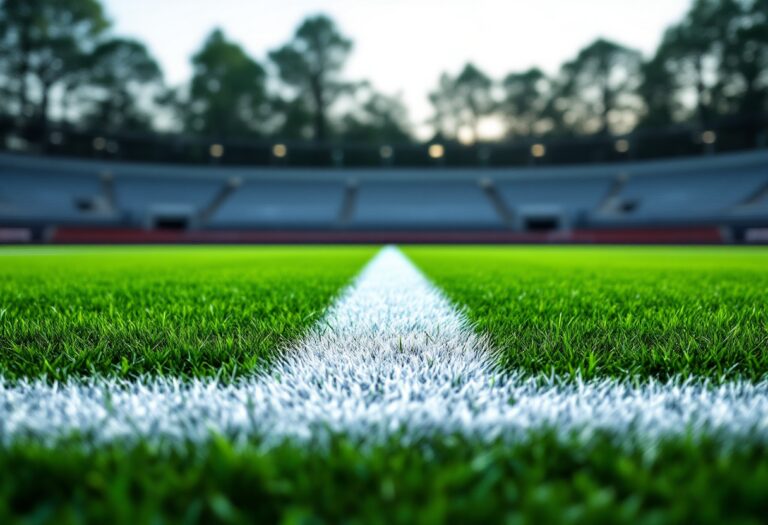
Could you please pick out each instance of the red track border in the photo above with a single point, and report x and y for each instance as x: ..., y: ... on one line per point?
x: 703, y: 235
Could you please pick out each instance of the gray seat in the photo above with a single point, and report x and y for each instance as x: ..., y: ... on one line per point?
x: 572, y: 196
x: 423, y: 204
x: 671, y: 196
x: 52, y: 197
x: 139, y: 196
x: 263, y: 203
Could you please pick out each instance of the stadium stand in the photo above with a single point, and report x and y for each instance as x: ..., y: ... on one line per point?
x: 31, y: 194
x: 410, y: 201
x: 676, y: 193
x: 756, y: 204
x: 536, y: 204
x: 725, y: 196
x: 274, y: 203
x: 165, y: 202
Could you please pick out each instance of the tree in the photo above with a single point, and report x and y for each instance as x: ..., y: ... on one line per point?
x: 447, y: 108
x: 597, y: 89
x: 311, y: 64
x: 526, y: 98
x: 7, y: 92
x: 691, y: 49
x: 744, y: 64
x: 717, y: 56
x: 474, y: 91
x: 295, y: 119
x: 121, y: 73
x: 227, y: 94
x: 461, y: 102
x: 378, y: 119
x: 657, y: 89
x: 42, y: 44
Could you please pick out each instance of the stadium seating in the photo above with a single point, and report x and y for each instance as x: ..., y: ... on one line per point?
x: 715, y: 190
x: 704, y: 195
x: 265, y: 203
x: 561, y: 201
x: 706, y: 190
x: 405, y: 203
x: 40, y: 193
x: 151, y: 201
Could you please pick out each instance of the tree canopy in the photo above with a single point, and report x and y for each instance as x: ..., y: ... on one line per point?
x: 227, y: 94
x: 121, y: 72
x: 311, y: 65
x: 60, y: 61
x: 44, y: 43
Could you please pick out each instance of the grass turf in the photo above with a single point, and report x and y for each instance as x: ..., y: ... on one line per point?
x: 201, y: 312
x: 615, y: 311
x: 186, y: 312
x: 450, y: 481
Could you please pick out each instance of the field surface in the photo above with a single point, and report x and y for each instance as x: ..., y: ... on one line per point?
x: 186, y: 312
x: 613, y: 311
x: 360, y: 385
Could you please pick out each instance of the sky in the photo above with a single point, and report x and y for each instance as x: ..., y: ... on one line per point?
x: 402, y: 46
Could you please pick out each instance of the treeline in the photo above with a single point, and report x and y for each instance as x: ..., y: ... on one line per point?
x: 61, y: 65
x: 712, y: 65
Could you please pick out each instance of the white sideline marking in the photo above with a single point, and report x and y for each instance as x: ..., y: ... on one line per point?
x: 392, y: 359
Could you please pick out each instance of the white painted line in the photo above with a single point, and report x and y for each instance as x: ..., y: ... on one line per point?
x: 392, y: 359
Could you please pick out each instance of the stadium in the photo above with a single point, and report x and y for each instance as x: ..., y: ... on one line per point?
x: 706, y: 199
x: 264, y: 293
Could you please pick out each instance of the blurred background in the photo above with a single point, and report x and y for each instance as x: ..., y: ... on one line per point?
x: 418, y: 121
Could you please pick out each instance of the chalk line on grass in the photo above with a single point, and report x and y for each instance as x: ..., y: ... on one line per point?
x: 391, y: 359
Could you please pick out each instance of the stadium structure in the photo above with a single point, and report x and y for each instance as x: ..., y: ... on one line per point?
x: 705, y: 199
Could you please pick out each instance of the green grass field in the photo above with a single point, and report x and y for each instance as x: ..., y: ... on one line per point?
x: 187, y: 312
x: 615, y: 312
x: 626, y: 313
x: 449, y: 481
